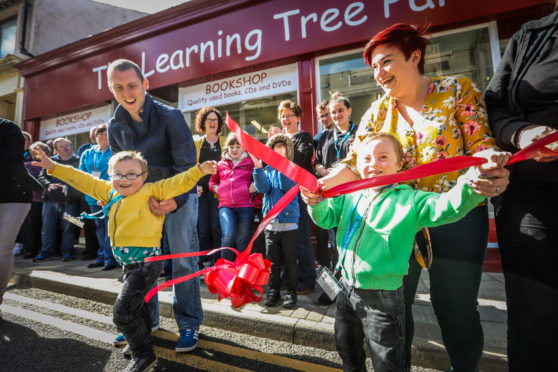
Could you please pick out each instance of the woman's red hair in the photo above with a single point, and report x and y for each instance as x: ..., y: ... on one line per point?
x: 407, y: 38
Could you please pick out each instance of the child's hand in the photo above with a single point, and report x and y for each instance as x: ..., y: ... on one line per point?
x: 44, y: 160
x: 209, y: 167
x: 273, y: 130
x: 257, y: 162
x: 309, y: 197
x: 252, y: 189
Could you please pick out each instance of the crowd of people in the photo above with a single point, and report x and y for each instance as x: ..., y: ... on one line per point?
x: 148, y: 155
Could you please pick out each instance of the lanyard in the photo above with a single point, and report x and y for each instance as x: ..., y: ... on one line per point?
x: 103, y: 212
x: 353, y: 225
x: 335, y: 143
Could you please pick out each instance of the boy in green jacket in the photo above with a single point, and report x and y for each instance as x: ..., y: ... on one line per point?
x: 134, y: 232
x: 376, y: 231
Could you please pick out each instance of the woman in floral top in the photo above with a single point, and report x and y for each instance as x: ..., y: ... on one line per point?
x: 434, y: 118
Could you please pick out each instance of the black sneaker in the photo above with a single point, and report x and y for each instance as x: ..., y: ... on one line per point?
x: 325, y: 300
x: 290, y: 300
x: 110, y: 267
x: 143, y: 364
x: 272, y: 298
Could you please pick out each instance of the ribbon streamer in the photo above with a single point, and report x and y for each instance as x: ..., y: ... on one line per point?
x: 240, y: 279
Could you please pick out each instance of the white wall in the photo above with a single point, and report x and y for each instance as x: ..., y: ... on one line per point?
x: 56, y: 23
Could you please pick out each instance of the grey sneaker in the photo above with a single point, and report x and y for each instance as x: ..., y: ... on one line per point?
x: 142, y: 364
x: 127, y: 352
x: 272, y: 298
x: 290, y: 300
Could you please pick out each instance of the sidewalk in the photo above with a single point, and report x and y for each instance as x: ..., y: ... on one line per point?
x: 309, y: 324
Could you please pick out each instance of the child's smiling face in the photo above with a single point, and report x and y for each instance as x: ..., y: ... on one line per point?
x: 378, y: 157
x: 130, y: 168
x: 235, y: 151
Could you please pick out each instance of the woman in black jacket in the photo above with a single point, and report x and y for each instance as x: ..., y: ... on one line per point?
x: 522, y: 102
x: 16, y: 191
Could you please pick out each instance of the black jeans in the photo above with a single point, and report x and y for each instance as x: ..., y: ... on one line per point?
x: 458, y: 249
x: 280, y: 249
x: 131, y: 314
x: 378, y: 316
x: 31, y: 229
x: 527, y: 229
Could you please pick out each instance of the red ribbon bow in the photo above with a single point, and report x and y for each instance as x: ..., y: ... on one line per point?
x: 239, y: 279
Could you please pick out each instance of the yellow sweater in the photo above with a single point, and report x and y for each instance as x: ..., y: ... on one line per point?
x: 131, y: 223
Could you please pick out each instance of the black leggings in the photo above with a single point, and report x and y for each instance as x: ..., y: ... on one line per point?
x: 455, y: 276
x: 527, y: 229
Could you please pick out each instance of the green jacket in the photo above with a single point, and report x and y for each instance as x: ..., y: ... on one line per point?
x: 378, y: 252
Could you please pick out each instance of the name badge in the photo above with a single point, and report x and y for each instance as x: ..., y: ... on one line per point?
x: 96, y: 174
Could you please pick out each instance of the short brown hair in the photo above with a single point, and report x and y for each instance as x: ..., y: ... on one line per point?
x: 101, y: 128
x: 57, y: 141
x: 396, y: 143
x: 231, y: 140
x: 337, y: 97
x: 42, y: 145
x: 128, y: 155
x: 202, y: 115
x: 124, y: 65
x: 284, y: 105
x: 27, y: 135
x: 323, y: 105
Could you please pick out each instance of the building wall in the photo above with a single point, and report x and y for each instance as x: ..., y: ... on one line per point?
x: 50, y: 24
x: 60, y: 22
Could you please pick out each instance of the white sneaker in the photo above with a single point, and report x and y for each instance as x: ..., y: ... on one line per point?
x: 18, y: 249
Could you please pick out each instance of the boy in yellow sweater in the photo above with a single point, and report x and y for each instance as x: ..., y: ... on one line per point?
x: 134, y: 232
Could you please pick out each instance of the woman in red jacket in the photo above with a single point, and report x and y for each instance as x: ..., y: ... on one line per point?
x: 234, y: 186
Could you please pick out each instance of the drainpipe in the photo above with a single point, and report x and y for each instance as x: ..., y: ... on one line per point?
x: 22, y: 49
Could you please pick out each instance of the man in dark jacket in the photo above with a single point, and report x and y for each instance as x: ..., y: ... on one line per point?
x: 59, y: 198
x: 161, y: 134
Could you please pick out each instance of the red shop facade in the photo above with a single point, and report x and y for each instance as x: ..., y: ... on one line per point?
x: 245, y: 56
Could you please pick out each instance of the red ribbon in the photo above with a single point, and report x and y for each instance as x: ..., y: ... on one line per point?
x: 535, y: 149
x: 239, y: 279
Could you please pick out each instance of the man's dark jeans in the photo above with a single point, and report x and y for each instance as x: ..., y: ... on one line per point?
x: 131, y: 314
x: 378, y: 316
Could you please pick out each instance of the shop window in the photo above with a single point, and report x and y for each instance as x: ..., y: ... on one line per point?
x: 254, y: 116
x: 464, y: 52
x: 8, y: 37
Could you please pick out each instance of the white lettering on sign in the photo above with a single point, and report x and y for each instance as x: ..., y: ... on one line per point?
x: 99, y: 70
x: 209, y: 50
x: 428, y: 4
x: 74, y: 123
x: 249, y: 46
x: 329, y: 20
x: 254, y: 85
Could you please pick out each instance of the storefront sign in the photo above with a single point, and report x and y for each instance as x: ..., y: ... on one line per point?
x: 78, y: 122
x: 243, y: 36
x: 244, y: 87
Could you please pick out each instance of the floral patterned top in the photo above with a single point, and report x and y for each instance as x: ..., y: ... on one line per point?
x: 453, y: 122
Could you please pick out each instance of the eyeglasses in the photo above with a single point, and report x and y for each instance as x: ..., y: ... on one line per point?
x: 212, y: 120
x: 287, y: 116
x: 129, y: 176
